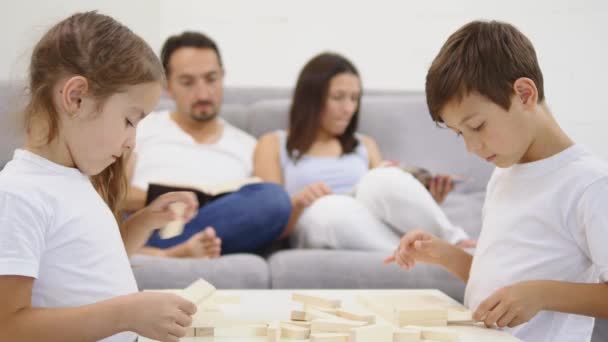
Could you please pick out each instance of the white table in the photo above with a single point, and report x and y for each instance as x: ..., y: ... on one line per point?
x: 273, y: 305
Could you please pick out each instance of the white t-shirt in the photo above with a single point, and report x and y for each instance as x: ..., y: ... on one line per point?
x: 167, y: 154
x: 55, y: 227
x: 545, y: 220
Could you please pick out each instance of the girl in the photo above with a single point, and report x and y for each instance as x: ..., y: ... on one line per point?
x: 64, y: 271
x: 321, y: 158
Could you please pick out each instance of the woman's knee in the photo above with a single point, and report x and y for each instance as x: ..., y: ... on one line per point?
x: 386, y: 180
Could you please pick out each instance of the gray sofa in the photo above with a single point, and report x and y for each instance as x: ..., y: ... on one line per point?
x: 400, y: 123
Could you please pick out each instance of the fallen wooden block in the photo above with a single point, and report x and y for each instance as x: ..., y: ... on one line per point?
x: 310, y: 315
x: 372, y: 333
x: 198, y: 291
x: 237, y: 331
x: 334, y: 326
x: 328, y: 337
x: 274, y: 332
x: 424, y: 317
x: 356, y: 316
x: 294, y: 332
x: 439, y: 335
x: 302, y: 324
x: 298, y: 315
x: 407, y: 335
x: 316, y: 301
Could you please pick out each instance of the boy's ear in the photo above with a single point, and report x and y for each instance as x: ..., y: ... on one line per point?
x: 72, y: 94
x: 525, y: 90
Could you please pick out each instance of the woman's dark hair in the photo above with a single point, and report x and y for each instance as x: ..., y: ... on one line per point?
x: 309, y: 99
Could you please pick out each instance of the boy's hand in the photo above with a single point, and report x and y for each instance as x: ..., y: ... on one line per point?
x: 419, y: 246
x: 158, y: 214
x: 311, y: 193
x: 511, y: 305
x: 440, y: 186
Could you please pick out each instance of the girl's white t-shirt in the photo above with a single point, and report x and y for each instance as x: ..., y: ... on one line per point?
x: 55, y: 228
x: 544, y: 220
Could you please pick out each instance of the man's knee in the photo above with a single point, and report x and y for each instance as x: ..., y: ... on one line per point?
x: 272, y: 199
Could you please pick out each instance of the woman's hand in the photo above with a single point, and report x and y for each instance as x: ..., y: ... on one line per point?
x: 310, y: 194
x: 440, y: 186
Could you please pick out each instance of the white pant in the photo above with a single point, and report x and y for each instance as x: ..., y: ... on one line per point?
x: 388, y: 203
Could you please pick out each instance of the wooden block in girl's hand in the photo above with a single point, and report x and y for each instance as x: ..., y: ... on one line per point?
x: 316, y: 301
x: 175, y: 227
x: 198, y: 291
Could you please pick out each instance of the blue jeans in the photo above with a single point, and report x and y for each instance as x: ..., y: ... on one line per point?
x: 246, y: 221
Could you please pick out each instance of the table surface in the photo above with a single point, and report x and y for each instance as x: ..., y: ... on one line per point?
x: 276, y: 305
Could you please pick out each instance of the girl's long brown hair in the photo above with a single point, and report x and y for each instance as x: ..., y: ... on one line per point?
x: 111, y: 57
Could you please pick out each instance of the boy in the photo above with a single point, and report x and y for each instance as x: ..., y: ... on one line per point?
x: 541, y: 265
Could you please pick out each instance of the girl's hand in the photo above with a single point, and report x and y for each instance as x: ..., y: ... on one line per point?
x: 311, y: 193
x: 511, y: 305
x: 159, y: 316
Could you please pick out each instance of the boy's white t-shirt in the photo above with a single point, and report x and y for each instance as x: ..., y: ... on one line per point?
x: 167, y: 154
x: 55, y: 228
x: 545, y: 220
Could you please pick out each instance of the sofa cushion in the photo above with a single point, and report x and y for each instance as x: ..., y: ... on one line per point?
x: 330, y: 269
x: 235, y: 271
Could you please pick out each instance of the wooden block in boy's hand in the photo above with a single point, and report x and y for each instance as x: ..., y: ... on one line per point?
x: 316, y: 301
x: 175, y: 227
x: 198, y: 291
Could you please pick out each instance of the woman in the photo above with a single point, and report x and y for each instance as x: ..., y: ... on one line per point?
x: 341, y: 196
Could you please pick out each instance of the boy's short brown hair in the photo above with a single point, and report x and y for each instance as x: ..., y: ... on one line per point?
x: 482, y: 57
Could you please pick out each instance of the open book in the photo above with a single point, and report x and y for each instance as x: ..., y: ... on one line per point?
x: 204, y: 192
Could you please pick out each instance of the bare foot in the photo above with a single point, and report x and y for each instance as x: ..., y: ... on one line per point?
x: 204, y: 244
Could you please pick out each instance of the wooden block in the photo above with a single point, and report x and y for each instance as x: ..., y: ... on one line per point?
x: 199, y: 291
x: 190, y: 332
x: 460, y: 316
x: 407, y: 335
x: 237, y: 331
x: 308, y: 307
x: 302, y: 324
x: 274, y: 332
x: 316, y: 301
x: 294, y: 331
x: 334, y: 326
x: 310, y: 315
x: 356, y: 316
x: 176, y: 227
x: 439, y: 335
x: 424, y: 317
x: 328, y: 337
x: 372, y: 333
x: 298, y: 315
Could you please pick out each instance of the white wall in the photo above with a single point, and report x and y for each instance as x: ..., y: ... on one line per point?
x: 266, y: 42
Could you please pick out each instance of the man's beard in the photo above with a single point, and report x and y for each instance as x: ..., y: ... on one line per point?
x: 203, y: 116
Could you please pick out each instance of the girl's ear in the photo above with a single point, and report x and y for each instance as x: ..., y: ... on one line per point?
x: 72, y: 94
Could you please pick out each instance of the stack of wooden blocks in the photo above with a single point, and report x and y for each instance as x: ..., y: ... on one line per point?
x: 322, y: 320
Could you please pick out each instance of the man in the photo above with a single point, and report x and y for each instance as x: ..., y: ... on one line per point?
x: 192, y: 145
